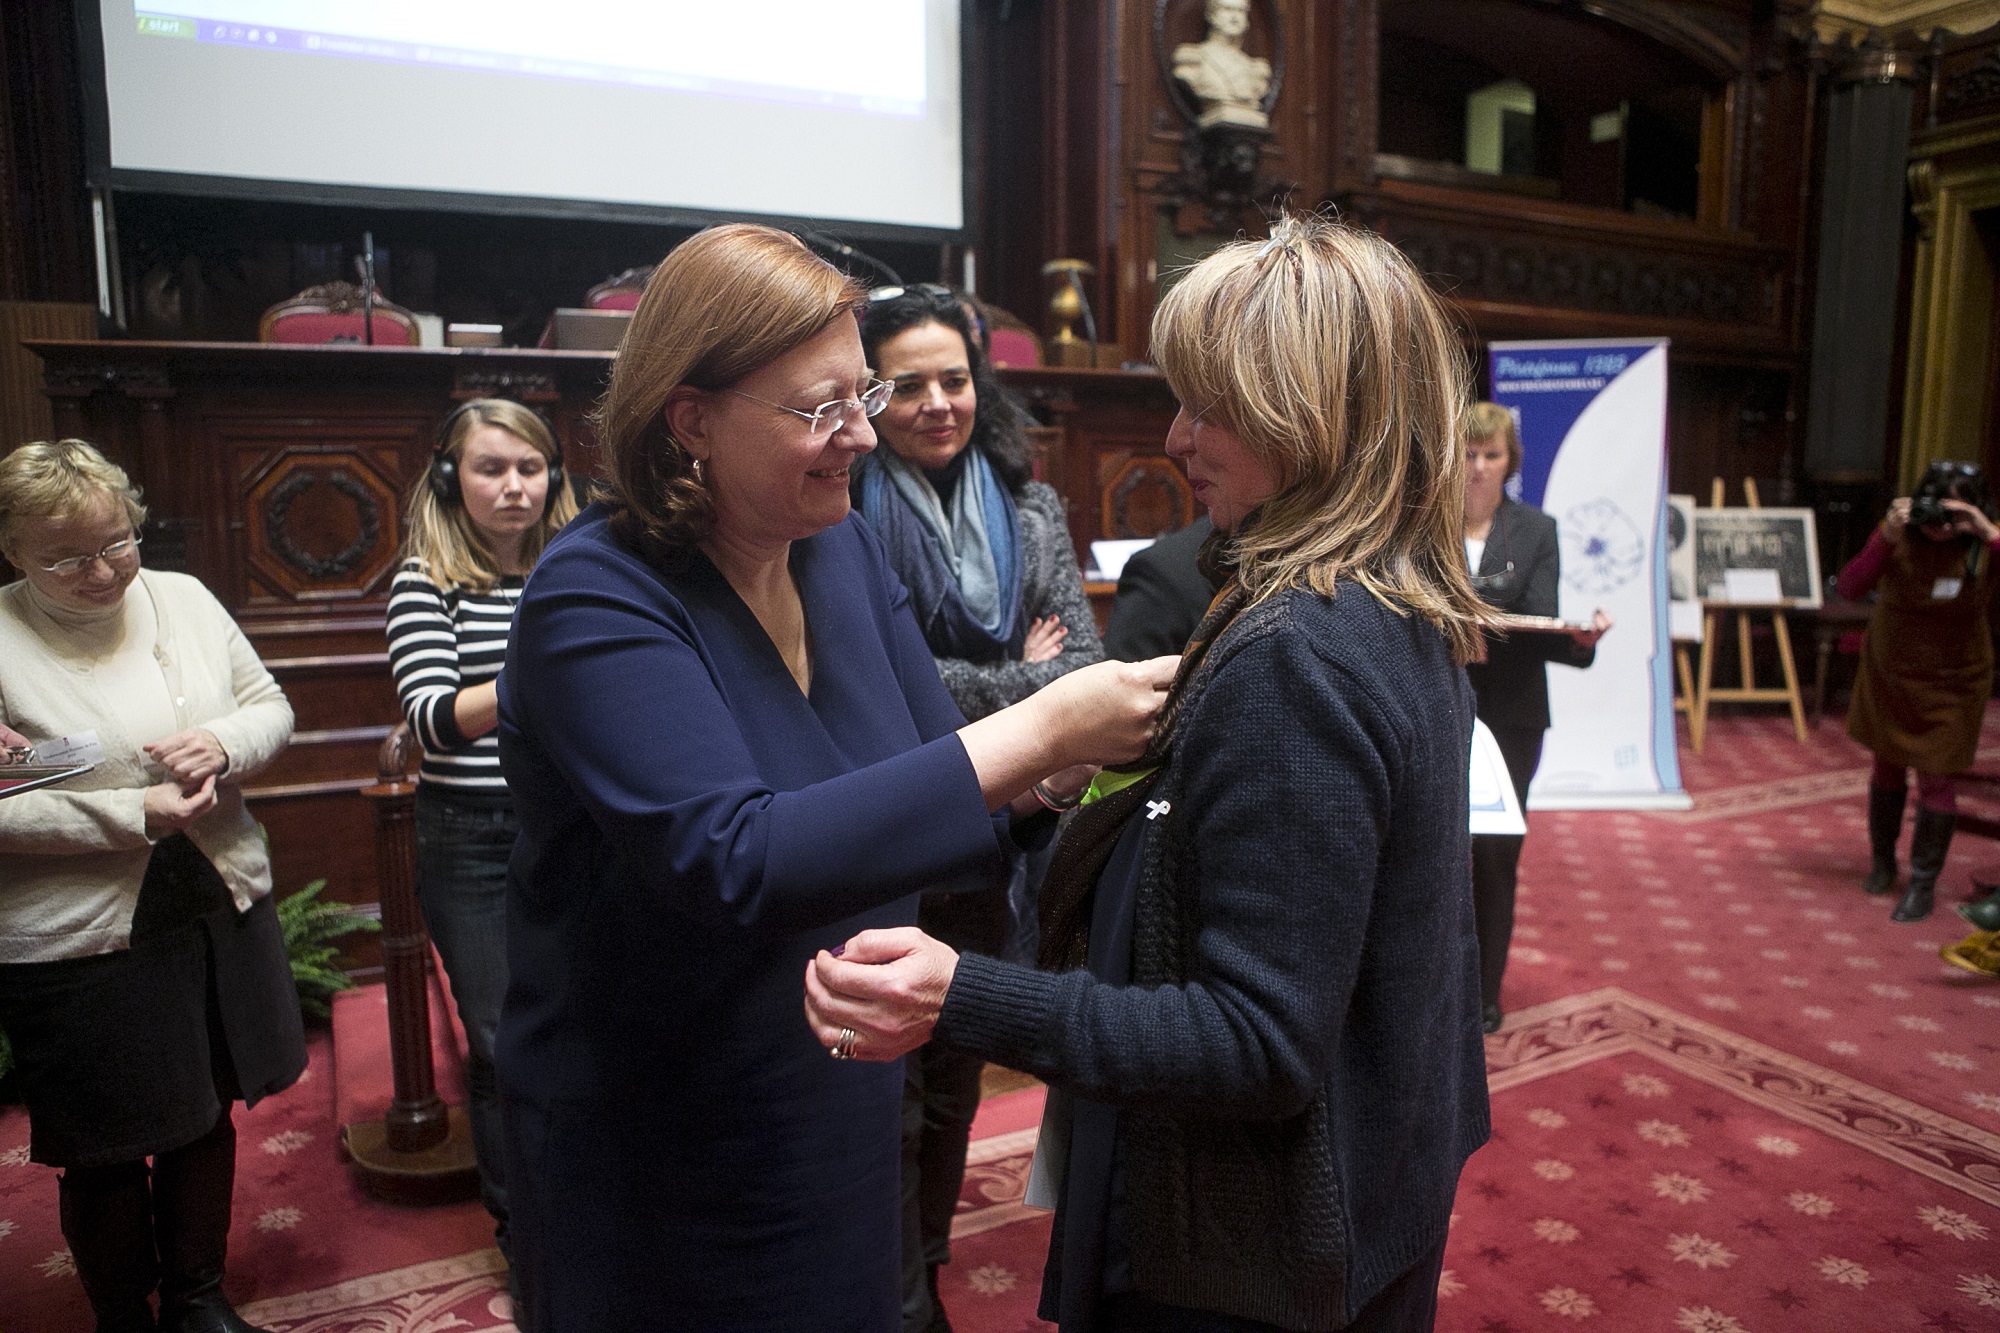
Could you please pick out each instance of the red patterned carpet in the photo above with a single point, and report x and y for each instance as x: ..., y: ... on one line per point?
x: 1731, y: 1097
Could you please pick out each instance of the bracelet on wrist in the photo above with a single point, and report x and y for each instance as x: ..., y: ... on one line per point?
x: 1052, y: 802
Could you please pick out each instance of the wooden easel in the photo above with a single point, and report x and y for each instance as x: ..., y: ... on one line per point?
x: 1684, y: 698
x: 1749, y: 691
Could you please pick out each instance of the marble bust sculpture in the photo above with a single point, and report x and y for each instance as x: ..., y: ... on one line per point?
x: 1228, y: 84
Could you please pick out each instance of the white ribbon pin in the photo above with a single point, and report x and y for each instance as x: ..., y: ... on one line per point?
x: 1154, y: 809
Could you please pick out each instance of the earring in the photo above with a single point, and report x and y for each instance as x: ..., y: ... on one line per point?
x: 700, y: 479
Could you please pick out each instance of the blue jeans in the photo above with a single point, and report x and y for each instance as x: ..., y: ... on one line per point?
x: 462, y: 852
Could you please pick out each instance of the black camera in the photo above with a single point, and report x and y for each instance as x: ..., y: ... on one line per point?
x: 1946, y: 479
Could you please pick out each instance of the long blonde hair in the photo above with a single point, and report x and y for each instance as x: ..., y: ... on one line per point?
x: 725, y: 302
x: 442, y: 537
x: 1324, y: 351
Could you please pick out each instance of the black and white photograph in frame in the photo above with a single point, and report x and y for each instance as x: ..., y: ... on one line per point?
x: 1756, y: 557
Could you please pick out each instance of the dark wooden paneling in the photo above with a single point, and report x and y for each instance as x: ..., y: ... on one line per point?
x: 45, y: 233
x: 24, y: 410
x: 1730, y: 288
x: 1107, y: 458
x: 277, y: 476
x: 1964, y: 79
x: 1543, y: 268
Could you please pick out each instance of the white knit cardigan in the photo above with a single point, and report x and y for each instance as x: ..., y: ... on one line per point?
x: 72, y: 857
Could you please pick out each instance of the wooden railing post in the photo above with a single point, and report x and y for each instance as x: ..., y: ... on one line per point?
x: 416, y: 1118
x: 421, y: 1148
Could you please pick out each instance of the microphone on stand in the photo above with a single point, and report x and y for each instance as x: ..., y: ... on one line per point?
x: 822, y: 241
x: 368, y: 288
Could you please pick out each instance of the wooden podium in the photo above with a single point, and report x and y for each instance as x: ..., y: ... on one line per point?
x: 277, y: 474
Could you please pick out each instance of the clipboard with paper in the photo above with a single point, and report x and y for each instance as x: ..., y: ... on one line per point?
x: 18, y: 778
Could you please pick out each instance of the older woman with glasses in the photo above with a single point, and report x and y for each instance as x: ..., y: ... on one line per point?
x: 143, y: 981
x: 730, y: 748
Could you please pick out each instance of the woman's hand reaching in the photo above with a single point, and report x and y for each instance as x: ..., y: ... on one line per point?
x: 1099, y: 714
x: 1896, y: 519
x: 887, y: 987
x: 1045, y: 639
x: 1104, y: 713
x: 14, y: 747
x: 1968, y: 519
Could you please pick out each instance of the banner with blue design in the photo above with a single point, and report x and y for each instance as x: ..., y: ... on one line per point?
x: 1593, y: 421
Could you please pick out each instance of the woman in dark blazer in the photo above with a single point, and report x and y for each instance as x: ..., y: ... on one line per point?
x: 1516, y: 562
x: 729, y: 747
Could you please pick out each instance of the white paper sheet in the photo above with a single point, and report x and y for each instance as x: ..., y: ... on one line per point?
x: 1752, y: 587
x: 1495, y: 809
x: 1109, y: 557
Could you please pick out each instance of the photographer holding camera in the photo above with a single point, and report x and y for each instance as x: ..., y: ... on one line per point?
x: 1926, y: 667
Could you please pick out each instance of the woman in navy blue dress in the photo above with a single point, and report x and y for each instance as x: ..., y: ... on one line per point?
x: 729, y: 747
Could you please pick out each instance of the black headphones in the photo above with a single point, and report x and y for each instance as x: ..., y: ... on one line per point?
x: 443, y: 474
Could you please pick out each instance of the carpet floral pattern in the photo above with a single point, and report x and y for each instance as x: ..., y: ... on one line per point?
x: 1730, y: 1097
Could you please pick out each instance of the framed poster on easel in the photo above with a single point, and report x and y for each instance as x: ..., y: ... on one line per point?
x: 1756, y: 557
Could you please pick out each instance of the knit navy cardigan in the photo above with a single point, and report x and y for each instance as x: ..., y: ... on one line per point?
x: 1298, y: 1061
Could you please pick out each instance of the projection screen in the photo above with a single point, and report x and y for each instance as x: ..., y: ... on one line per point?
x: 836, y: 110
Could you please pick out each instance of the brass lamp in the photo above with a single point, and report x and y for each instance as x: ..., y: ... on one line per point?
x: 1066, y: 306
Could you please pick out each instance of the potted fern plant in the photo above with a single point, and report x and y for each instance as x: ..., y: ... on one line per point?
x: 310, y: 928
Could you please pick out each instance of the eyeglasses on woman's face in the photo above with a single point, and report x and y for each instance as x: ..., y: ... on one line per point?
x: 828, y: 418
x: 125, y: 548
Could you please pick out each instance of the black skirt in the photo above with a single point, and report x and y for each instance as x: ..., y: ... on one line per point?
x: 127, y: 1054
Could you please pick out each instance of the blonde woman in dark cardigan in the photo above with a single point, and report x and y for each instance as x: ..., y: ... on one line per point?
x: 1259, y: 1014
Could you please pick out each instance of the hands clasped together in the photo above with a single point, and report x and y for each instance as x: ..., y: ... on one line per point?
x: 193, y: 760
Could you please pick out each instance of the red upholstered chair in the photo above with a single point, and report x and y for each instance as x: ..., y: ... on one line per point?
x: 331, y: 313
x: 1010, y: 342
x: 621, y: 292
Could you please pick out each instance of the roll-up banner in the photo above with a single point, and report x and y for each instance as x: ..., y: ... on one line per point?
x: 1593, y: 421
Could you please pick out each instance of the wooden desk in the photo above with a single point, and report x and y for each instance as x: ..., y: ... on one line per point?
x: 277, y: 474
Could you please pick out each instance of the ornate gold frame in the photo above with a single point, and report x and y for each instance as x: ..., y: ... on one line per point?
x: 1954, y: 173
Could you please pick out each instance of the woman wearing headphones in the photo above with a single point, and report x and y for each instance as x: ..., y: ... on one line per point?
x: 491, y: 501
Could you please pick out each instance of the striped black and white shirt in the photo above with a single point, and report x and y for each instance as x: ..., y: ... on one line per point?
x: 440, y: 643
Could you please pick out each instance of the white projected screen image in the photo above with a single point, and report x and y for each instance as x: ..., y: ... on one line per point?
x: 833, y: 109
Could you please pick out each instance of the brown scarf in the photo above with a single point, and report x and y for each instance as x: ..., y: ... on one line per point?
x: 1069, y: 891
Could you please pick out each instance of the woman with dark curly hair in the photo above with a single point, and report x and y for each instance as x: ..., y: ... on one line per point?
x: 985, y: 551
